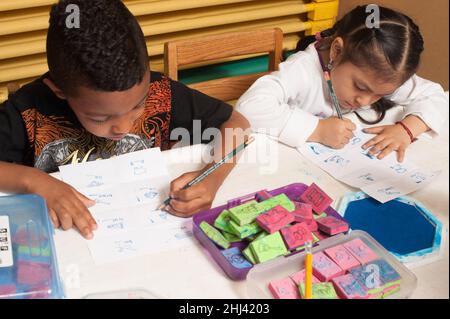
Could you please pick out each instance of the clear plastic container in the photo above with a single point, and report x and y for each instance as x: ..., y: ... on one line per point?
x: 261, y: 275
x: 28, y: 266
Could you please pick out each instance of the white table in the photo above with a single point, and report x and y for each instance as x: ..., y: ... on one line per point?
x: 190, y: 273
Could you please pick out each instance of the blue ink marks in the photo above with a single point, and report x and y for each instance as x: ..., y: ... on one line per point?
x: 138, y: 167
x: 96, y: 180
x: 418, y: 177
x: 339, y: 160
x: 366, y: 153
x: 146, y: 193
x: 123, y: 246
x: 388, y: 191
x: 355, y: 140
x: 367, y: 177
x: 104, y: 199
x: 114, y: 223
x: 399, y: 169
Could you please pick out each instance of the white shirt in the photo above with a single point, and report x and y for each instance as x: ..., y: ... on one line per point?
x: 288, y: 103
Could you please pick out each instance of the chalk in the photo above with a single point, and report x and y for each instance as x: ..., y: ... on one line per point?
x: 231, y: 237
x: 347, y: 287
x: 324, y: 268
x: 299, y: 277
x: 320, y: 235
x: 244, y: 231
x: 31, y: 238
x: 315, y: 240
x: 284, y: 289
x: 321, y: 215
x: 297, y: 235
x: 315, y: 196
x: 321, y: 290
x: 215, y: 235
x: 369, y: 277
x: 303, y: 212
x: 312, y: 225
x: 281, y: 200
x: 246, y: 213
x: 275, y: 219
x: 33, y: 273
x: 269, y: 247
x: 342, y: 257
x: 391, y: 290
x: 7, y: 291
x: 236, y: 258
x: 222, y: 221
x: 247, y: 252
x: 388, y: 275
x: 332, y: 226
x: 360, y: 251
x: 262, y: 195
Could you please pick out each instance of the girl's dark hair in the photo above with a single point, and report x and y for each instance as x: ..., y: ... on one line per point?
x: 393, y: 50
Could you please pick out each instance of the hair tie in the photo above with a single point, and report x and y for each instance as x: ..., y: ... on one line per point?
x: 318, y: 36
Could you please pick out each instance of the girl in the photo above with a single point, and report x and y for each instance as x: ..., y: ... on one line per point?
x: 369, y: 68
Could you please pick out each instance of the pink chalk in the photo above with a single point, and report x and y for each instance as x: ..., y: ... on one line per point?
x: 312, y: 225
x: 302, y: 212
x: 275, y: 219
x: 324, y: 268
x: 347, y: 287
x: 296, y: 236
x: 262, y: 195
x: 299, y: 277
x: 39, y: 292
x: 7, y: 291
x: 33, y: 273
x: 284, y: 289
x: 360, y: 251
x: 332, y: 226
x: 320, y: 235
x: 315, y: 196
x: 342, y: 257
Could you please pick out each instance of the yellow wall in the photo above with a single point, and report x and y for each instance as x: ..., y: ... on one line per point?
x: 432, y: 18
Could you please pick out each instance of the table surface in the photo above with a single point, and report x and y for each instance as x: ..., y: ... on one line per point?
x: 189, y: 272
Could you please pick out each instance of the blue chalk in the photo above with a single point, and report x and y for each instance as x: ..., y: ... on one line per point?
x: 236, y: 258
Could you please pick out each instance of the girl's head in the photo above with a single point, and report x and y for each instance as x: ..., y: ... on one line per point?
x: 368, y: 63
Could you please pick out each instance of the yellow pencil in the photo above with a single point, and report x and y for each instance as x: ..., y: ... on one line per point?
x: 308, y: 271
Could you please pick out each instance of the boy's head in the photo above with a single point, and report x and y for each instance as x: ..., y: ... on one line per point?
x: 100, y: 66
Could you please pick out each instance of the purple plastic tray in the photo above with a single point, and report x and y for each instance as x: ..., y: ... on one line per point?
x: 292, y: 191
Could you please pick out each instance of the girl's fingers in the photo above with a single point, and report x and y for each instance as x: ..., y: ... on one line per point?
x: 401, y: 154
x: 386, y: 151
x: 377, y: 139
x: 374, y: 130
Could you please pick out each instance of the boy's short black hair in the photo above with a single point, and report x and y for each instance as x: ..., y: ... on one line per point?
x: 106, y: 53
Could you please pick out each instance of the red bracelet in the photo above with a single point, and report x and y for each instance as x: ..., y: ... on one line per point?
x: 411, y: 136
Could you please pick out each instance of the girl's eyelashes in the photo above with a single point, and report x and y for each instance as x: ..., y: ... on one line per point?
x: 360, y: 88
x: 99, y: 121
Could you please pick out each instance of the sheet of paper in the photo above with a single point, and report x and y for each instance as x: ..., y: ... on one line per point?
x: 383, y: 180
x: 128, y: 190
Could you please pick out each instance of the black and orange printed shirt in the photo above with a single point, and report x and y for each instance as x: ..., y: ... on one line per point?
x: 39, y: 129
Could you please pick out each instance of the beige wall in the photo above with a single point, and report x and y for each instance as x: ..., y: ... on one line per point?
x: 432, y: 18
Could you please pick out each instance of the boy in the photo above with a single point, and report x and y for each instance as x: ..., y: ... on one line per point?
x: 99, y: 99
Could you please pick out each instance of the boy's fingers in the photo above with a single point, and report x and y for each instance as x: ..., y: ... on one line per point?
x: 180, y: 182
x: 65, y: 219
x: 82, y: 223
x: 81, y: 210
x: 188, y: 194
x: 190, y: 207
x: 53, y: 217
x: 86, y: 201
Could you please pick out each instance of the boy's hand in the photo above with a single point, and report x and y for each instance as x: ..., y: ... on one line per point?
x: 389, y: 138
x: 333, y: 132
x: 188, y: 202
x: 67, y: 207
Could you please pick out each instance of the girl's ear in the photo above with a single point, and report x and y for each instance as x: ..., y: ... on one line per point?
x: 54, y: 88
x: 337, y: 47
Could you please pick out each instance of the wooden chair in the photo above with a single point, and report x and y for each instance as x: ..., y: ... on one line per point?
x: 209, y: 48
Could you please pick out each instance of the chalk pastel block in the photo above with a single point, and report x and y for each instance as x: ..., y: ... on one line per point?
x: 347, y: 287
x: 312, y: 225
x: 232, y: 238
x: 6, y: 276
x: 324, y: 268
x: 222, y: 221
x: 391, y: 290
x: 245, y: 230
x: 320, y: 235
x: 33, y: 273
x: 245, y: 214
x: 332, y: 226
x: 262, y: 195
x: 321, y: 290
x: 247, y: 252
x: 297, y: 235
x: 315, y: 196
x: 7, y: 291
x: 342, y: 257
x: 319, y: 216
x: 33, y: 251
x: 31, y: 238
x: 299, y: 277
x: 388, y: 275
x: 284, y: 289
x: 315, y: 240
x: 370, y: 279
x: 281, y: 200
x: 215, y: 235
x: 360, y: 251
x: 303, y: 212
x: 275, y: 219
x: 269, y: 247
x: 236, y: 258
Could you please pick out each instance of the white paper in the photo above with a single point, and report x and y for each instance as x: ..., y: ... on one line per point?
x: 128, y: 190
x: 383, y: 180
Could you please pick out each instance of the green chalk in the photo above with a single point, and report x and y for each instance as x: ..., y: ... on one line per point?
x: 315, y: 240
x: 247, y: 252
x: 222, y: 222
x: 261, y: 235
x: 281, y: 200
x: 390, y: 292
x: 215, y: 235
x: 269, y: 247
x: 322, y: 290
x: 322, y: 215
x: 246, y: 213
x: 246, y: 230
x: 34, y: 251
x: 230, y: 237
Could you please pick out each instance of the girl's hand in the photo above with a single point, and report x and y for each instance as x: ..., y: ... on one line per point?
x: 188, y: 202
x: 389, y: 138
x: 333, y: 132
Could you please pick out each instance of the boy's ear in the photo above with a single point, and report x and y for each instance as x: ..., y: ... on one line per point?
x: 337, y: 47
x: 58, y: 92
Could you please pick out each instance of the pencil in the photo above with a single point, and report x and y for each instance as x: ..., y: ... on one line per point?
x: 334, y: 99
x: 308, y: 271
x: 210, y: 170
